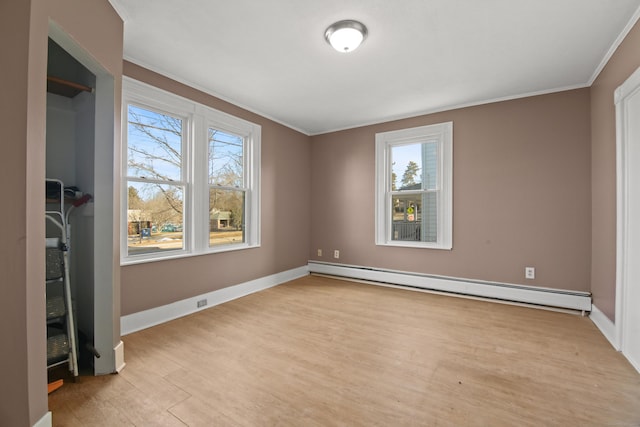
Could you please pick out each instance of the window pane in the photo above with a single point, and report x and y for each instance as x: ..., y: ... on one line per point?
x: 154, y: 218
x: 406, y: 167
x: 430, y: 163
x: 415, y: 217
x: 430, y: 217
x: 406, y: 216
x: 154, y: 143
x: 226, y: 216
x: 225, y: 159
x: 414, y: 164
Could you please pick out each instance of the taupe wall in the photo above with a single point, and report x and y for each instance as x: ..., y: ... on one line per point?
x: 521, y: 181
x: 16, y: 402
x: 285, y: 218
x: 24, y: 26
x: 622, y: 64
x: 521, y: 194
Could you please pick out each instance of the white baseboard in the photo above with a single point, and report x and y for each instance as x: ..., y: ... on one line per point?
x: 118, y: 352
x: 606, y: 326
x: 45, y: 421
x: 155, y: 316
x: 549, y: 297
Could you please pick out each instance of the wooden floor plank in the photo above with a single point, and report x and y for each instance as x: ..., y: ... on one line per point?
x: 319, y: 351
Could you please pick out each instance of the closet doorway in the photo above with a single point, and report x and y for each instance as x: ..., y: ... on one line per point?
x: 80, y: 153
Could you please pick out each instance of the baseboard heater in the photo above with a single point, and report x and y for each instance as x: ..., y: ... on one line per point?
x: 539, y: 296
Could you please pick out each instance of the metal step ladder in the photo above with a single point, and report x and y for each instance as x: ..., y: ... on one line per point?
x: 61, y: 326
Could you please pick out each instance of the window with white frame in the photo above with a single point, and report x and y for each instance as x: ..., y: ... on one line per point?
x: 414, y: 169
x: 190, y: 180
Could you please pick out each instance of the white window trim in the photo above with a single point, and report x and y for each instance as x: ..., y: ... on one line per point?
x: 197, y: 119
x: 443, y: 133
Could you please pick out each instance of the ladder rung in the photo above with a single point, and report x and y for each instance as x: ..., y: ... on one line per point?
x: 54, y: 263
x: 55, y: 307
x: 57, y: 348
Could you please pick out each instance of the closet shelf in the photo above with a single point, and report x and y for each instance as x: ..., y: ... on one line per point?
x: 66, y: 88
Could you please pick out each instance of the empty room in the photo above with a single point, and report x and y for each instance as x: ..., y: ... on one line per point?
x: 336, y: 213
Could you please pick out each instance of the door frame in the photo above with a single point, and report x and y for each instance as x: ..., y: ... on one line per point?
x: 106, y: 286
x: 624, y: 177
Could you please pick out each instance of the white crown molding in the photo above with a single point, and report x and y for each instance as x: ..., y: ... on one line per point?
x: 617, y: 42
x: 211, y: 93
x: 120, y: 10
x: 452, y: 107
x: 363, y: 124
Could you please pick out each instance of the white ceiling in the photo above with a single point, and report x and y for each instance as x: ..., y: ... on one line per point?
x: 270, y: 56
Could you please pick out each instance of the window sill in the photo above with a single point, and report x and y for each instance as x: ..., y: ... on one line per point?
x: 183, y: 254
x: 417, y: 245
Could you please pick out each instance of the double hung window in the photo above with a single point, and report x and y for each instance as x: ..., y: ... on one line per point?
x: 190, y: 180
x: 414, y: 187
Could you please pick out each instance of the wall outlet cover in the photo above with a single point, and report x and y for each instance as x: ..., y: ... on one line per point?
x: 529, y: 273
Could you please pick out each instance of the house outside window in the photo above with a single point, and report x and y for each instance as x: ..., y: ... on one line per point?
x: 190, y: 180
x: 414, y: 169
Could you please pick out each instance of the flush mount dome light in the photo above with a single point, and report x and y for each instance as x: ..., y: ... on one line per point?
x: 346, y: 36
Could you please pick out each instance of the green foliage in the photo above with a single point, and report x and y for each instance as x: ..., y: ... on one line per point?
x: 409, y: 176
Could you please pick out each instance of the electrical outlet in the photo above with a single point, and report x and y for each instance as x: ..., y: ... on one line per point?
x: 529, y: 273
x: 336, y: 254
x: 202, y: 303
x: 319, y: 252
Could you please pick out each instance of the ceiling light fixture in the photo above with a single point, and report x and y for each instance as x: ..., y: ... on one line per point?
x: 346, y: 36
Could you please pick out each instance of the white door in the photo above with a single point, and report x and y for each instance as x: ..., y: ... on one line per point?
x: 627, y: 98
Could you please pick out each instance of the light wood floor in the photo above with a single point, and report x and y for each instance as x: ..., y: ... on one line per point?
x: 324, y: 352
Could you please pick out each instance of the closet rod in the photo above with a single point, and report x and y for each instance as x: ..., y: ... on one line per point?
x: 77, y: 86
